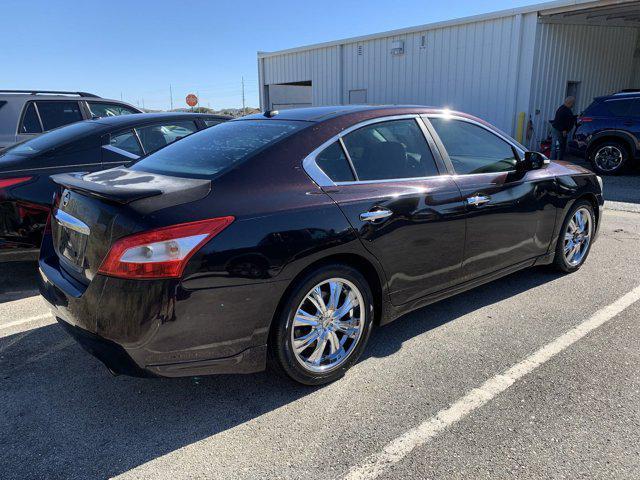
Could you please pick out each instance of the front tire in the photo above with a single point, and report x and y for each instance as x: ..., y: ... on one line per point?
x: 323, y: 326
x: 576, y: 237
x: 609, y: 158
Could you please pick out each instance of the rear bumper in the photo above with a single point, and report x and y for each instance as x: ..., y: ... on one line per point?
x: 161, y: 328
x: 119, y: 362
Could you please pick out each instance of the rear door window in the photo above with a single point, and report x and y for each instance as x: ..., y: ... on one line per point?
x: 55, y: 114
x: 154, y: 137
x: 211, y: 151
x: 126, y: 141
x: 619, y: 108
x: 30, y: 122
x: 388, y: 150
x: 635, y: 108
x: 101, y: 109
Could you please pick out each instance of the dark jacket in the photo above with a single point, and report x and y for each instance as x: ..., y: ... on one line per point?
x: 564, y: 119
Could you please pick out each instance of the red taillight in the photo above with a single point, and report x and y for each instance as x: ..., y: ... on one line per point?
x: 160, y: 253
x: 585, y: 119
x: 10, y: 182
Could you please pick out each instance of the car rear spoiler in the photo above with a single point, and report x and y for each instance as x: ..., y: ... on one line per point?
x: 124, y: 186
x: 112, y: 193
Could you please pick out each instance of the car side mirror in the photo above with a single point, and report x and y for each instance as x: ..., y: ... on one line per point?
x: 534, y: 161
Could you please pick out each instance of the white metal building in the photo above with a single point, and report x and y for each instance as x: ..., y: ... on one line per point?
x: 505, y: 67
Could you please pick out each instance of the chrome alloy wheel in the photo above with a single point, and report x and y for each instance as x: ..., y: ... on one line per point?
x: 577, y: 237
x: 608, y: 158
x: 328, y: 325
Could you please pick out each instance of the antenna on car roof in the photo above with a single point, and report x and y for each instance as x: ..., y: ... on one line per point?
x: 270, y: 113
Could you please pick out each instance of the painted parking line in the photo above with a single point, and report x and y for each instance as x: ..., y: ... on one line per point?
x: 401, y: 446
x: 23, y: 322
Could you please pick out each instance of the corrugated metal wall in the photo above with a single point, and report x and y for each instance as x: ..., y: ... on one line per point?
x: 466, y: 67
x: 470, y: 67
x: 599, y: 57
x: 492, y: 68
x: 321, y: 66
x: 635, y: 80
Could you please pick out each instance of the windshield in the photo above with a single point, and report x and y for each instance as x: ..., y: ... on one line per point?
x: 53, y: 139
x: 213, y: 150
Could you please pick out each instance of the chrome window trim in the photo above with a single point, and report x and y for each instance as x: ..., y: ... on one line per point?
x: 322, y: 179
x: 71, y: 222
x: 120, y: 151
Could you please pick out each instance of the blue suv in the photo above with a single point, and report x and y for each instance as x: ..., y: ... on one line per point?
x: 608, y: 132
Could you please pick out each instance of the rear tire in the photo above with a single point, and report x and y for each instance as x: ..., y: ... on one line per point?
x: 323, y: 326
x: 609, y: 158
x: 575, y: 238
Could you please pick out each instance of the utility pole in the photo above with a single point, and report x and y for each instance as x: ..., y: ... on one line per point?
x: 143, y: 103
x: 120, y: 96
x: 243, y: 107
x: 171, y: 96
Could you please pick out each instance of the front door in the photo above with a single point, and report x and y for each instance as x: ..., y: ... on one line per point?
x: 388, y: 184
x: 510, y: 214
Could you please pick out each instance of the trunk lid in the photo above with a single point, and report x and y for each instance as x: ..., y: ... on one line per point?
x: 96, y: 209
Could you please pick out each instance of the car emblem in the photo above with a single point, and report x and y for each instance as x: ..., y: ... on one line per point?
x: 65, y: 198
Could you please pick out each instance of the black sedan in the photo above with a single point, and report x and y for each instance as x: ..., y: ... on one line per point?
x: 26, y: 190
x: 284, y: 238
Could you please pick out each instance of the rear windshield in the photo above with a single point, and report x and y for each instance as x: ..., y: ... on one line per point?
x: 213, y: 150
x: 53, y: 139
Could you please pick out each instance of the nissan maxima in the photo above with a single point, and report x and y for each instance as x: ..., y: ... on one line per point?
x: 282, y: 239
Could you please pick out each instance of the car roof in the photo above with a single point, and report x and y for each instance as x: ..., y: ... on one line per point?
x: 137, y: 118
x: 319, y: 114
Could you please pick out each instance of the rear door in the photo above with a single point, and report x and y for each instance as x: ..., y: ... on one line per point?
x: 510, y: 215
x: 385, y: 176
x: 43, y: 115
x: 629, y: 121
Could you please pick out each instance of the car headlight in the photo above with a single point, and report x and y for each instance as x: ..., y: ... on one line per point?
x: 600, y: 182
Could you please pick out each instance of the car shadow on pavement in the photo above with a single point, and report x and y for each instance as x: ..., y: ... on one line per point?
x: 389, y: 339
x: 63, y: 416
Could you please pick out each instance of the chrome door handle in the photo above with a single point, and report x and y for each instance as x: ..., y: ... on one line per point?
x: 478, y: 200
x: 373, y: 215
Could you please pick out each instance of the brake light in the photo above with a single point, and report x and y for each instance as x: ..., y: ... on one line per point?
x: 162, y: 252
x: 585, y: 119
x: 10, y: 182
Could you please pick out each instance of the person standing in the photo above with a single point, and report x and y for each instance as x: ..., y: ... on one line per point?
x: 561, y: 125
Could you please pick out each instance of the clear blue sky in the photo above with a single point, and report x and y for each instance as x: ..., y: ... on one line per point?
x: 138, y: 47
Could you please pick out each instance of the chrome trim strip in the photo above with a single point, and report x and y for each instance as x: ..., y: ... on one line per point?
x: 122, y: 152
x: 71, y: 222
x: 316, y: 173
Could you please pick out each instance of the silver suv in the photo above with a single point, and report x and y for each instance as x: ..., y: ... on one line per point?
x: 25, y: 114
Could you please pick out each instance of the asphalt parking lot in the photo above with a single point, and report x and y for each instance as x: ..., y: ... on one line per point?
x: 536, y: 375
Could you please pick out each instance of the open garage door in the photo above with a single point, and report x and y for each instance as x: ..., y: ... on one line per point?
x: 586, y: 50
x: 290, y: 95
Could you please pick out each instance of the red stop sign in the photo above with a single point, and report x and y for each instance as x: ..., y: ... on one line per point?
x: 192, y: 100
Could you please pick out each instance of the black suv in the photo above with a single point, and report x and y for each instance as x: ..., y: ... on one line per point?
x: 608, y: 132
x: 25, y: 114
